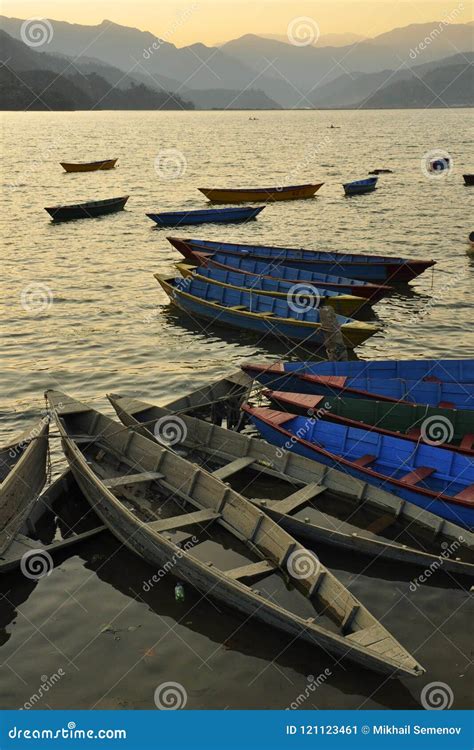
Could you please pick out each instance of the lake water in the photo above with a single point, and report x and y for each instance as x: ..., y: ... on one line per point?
x: 82, y: 312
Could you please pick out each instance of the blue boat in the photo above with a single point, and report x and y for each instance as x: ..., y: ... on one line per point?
x: 311, y: 378
x: 205, y: 216
x: 360, y: 186
x: 257, y: 312
x: 440, y: 481
x: 355, y: 266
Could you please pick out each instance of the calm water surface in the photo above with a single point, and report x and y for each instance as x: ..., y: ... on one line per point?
x: 108, y: 327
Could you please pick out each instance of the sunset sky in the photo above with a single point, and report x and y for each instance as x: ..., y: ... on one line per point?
x: 213, y: 21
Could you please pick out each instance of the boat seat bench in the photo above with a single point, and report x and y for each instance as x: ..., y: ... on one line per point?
x: 418, y: 475
x: 365, y: 460
x: 298, y: 498
x: 467, y: 442
x: 126, y: 479
x: 187, y: 519
x: 467, y: 494
x: 233, y: 467
x: 253, y: 570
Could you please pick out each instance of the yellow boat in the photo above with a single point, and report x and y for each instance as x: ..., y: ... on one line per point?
x: 252, y: 195
x: 89, y: 166
x: 302, y: 293
x: 258, y: 313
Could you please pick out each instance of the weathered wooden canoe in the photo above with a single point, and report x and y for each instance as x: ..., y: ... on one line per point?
x: 358, y: 187
x: 322, y: 505
x: 440, y: 481
x: 372, y: 268
x: 445, y: 428
x: 371, y: 380
x: 276, y: 270
x: 219, y: 402
x: 205, y: 216
x: 256, y: 312
x: 175, y: 507
x: 89, y: 210
x: 22, y: 477
x: 301, y: 295
x: 267, y: 194
x: 88, y: 166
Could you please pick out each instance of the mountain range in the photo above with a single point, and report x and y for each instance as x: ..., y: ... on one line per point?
x: 420, y: 65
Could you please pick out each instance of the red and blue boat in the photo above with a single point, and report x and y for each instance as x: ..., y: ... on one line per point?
x: 440, y: 481
x: 372, y: 268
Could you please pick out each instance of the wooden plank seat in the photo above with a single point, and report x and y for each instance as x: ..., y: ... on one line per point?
x: 446, y: 405
x: 236, y: 307
x: 187, y: 519
x: 298, y: 498
x: 467, y: 442
x: 126, y: 479
x: 418, y: 475
x: 467, y: 494
x: 233, y: 467
x: 365, y: 460
x: 264, y: 314
x: 253, y: 570
x: 85, y: 439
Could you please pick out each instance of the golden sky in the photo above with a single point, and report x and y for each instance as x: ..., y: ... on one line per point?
x: 213, y: 21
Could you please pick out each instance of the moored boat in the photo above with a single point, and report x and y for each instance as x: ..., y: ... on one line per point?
x: 299, y: 377
x: 317, y: 503
x: 177, y: 506
x: 301, y: 295
x: 440, y: 481
x: 372, y: 293
x: 355, y: 266
x: 87, y: 210
x: 358, y: 187
x: 445, y: 428
x: 205, y: 216
x: 267, y: 194
x: 22, y: 477
x: 257, y: 312
x: 468, y: 179
x: 89, y: 166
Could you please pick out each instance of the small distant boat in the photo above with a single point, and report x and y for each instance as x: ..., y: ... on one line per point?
x: 352, y: 265
x: 257, y: 312
x: 398, y: 420
x: 468, y: 179
x: 304, y: 295
x: 252, y: 195
x: 381, y: 171
x: 89, y: 166
x: 22, y: 477
x: 360, y: 186
x: 205, y: 216
x: 87, y: 210
x: 440, y: 481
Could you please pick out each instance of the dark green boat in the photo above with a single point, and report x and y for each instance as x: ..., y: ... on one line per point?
x: 446, y: 428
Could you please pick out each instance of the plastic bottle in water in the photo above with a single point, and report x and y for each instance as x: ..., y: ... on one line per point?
x: 179, y: 592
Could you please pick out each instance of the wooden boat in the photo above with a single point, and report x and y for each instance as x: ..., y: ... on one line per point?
x: 26, y: 538
x: 323, y: 505
x: 256, y: 312
x: 365, y: 267
x: 447, y: 428
x: 381, y: 171
x: 267, y: 194
x: 89, y: 166
x: 372, y: 293
x: 22, y: 477
x: 441, y: 481
x: 87, y: 210
x: 301, y: 295
x: 164, y: 508
x: 468, y: 179
x: 358, y: 187
x: 205, y: 216
x: 299, y: 377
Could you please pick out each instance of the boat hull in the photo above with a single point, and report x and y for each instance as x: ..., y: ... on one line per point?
x: 87, y: 210
x: 92, y: 166
x: 242, y: 195
x: 468, y: 179
x: 216, y: 216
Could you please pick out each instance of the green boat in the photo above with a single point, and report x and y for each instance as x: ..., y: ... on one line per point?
x: 446, y: 428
